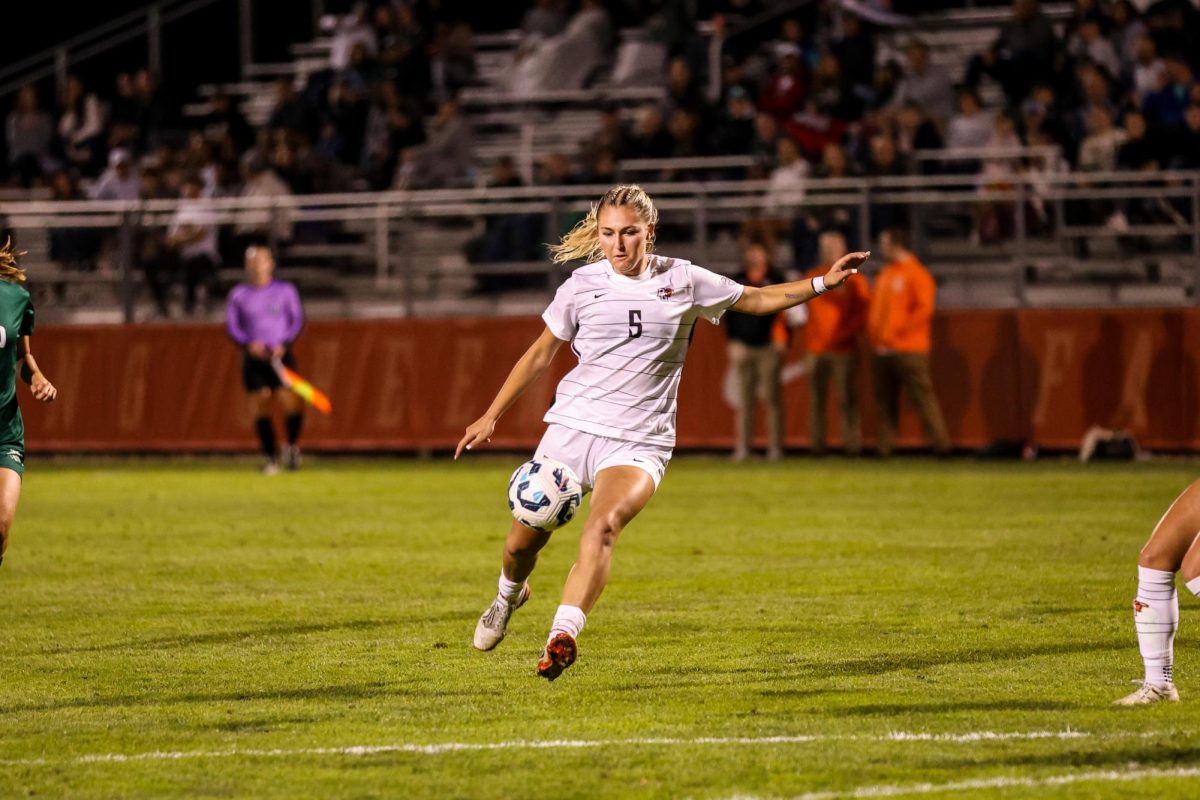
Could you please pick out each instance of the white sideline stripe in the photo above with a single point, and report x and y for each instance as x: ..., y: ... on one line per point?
x: 569, y: 744
x: 1105, y: 776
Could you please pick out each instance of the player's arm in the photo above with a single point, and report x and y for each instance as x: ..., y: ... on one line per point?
x: 528, y: 369
x: 30, y: 373
x: 773, y: 299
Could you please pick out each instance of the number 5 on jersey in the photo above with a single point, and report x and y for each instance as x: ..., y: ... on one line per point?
x: 635, y: 323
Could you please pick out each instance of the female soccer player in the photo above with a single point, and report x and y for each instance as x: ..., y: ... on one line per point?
x: 16, y: 328
x: 264, y: 317
x: 1174, y: 546
x: 629, y: 317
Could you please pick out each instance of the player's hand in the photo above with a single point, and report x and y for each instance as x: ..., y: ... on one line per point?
x: 843, y: 268
x: 478, y: 432
x: 277, y: 351
x: 42, y: 389
x: 258, y: 350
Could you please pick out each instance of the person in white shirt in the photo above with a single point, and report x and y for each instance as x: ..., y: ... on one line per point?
x: 192, y: 234
x: 629, y: 315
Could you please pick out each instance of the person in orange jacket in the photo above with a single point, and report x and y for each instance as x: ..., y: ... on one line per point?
x: 831, y: 339
x: 899, y: 329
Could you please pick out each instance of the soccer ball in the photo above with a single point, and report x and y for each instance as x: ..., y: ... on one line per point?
x: 544, y: 494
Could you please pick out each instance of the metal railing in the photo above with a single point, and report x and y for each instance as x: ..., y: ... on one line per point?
x: 399, y: 244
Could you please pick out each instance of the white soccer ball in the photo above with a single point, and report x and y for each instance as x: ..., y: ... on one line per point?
x: 544, y: 494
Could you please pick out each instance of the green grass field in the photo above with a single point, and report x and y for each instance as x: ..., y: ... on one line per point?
x: 770, y: 631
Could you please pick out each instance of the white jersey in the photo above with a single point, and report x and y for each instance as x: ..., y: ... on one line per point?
x: 631, y: 336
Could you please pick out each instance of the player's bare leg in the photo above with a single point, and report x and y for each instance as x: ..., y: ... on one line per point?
x: 293, y: 422
x: 521, y: 550
x: 1172, y: 548
x: 619, y: 495
x: 10, y: 495
x: 260, y: 410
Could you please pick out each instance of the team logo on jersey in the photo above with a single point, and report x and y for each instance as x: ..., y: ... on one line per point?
x: 665, y: 293
x: 15, y: 455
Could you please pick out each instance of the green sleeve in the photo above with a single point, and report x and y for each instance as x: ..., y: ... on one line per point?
x: 27, y: 318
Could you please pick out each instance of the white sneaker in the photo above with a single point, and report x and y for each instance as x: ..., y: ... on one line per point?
x: 291, y: 457
x: 270, y: 467
x: 1150, y: 693
x: 493, y: 624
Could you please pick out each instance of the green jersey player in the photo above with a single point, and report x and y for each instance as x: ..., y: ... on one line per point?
x: 16, y: 327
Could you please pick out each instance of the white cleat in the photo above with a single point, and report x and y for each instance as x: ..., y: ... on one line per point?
x: 493, y: 624
x: 1150, y: 693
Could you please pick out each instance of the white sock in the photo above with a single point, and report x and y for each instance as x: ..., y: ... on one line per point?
x: 1193, y: 586
x: 567, y: 619
x: 508, y: 591
x: 1156, y: 618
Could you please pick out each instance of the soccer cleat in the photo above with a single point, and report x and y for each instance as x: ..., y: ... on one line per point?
x: 1150, y: 693
x: 271, y: 467
x: 291, y: 457
x: 493, y: 624
x: 559, y: 654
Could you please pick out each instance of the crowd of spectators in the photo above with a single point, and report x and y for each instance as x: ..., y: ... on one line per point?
x: 816, y: 95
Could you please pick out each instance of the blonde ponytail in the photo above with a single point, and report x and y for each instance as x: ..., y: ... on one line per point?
x: 9, y: 270
x: 583, y: 241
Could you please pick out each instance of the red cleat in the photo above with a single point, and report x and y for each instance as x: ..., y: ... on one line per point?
x: 559, y: 654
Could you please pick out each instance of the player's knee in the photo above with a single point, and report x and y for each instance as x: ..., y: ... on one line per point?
x: 603, y: 529
x: 1156, y: 556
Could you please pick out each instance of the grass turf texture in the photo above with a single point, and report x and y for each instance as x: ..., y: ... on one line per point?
x: 202, y: 608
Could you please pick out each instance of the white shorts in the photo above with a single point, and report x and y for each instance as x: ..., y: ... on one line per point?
x: 587, y: 454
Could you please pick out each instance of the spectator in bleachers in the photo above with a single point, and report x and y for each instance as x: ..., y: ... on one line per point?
x: 123, y: 115
x: 915, y: 131
x: 683, y: 92
x: 544, y: 19
x: 445, y: 158
x: 1098, y: 152
x: 925, y: 85
x: 1127, y: 29
x: 353, y: 30
x: 290, y: 111
x: 151, y: 108
x: 73, y: 248
x: 610, y: 136
x: 555, y: 170
x: 507, y: 237
x: 972, y: 125
x: 855, y: 53
x: 885, y: 162
x: 1183, y: 141
x: 81, y: 127
x: 787, y: 184
x: 120, y: 181
x: 1138, y: 149
x: 566, y: 61
x: 735, y: 130
x: 1090, y: 42
x: 787, y: 87
x: 1164, y: 106
x: 29, y: 132
x: 343, y: 123
x: 832, y: 93
x: 649, y: 138
x: 1147, y: 70
x: 192, y: 240
x: 765, y: 144
x: 1023, y: 52
x: 224, y: 118
x: 452, y: 58
x: 264, y: 223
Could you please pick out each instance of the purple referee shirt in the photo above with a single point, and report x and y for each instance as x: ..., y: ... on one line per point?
x: 270, y: 314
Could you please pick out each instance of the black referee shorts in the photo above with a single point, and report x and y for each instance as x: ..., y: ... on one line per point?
x: 258, y: 374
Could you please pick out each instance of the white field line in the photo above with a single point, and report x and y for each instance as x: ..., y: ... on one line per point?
x: 1101, y: 776
x: 565, y: 744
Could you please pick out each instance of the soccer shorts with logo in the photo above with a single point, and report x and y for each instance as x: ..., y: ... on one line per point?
x: 586, y: 454
x: 12, y: 456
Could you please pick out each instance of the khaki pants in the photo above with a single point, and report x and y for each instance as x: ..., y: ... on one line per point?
x: 909, y: 371
x: 758, y: 367
x: 841, y: 367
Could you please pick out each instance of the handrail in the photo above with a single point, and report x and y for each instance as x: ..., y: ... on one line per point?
x: 91, y: 43
x: 898, y: 185
x: 986, y: 152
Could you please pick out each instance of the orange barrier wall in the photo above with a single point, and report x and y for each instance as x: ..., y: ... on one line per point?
x: 1045, y: 375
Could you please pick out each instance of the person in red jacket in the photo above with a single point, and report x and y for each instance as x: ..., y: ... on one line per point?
x: 899, y: 329
x: 831, y: 338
